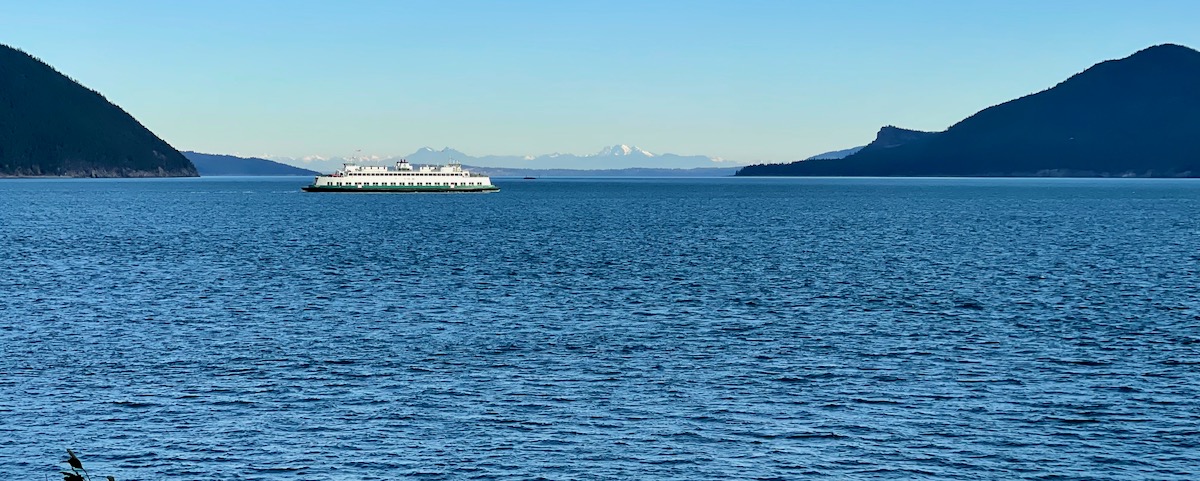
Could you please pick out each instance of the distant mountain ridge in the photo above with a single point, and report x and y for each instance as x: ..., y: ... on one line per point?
x: 1137, y: 116
x: 52, y: 126
x: 629, y: 172
x: 836, y: 154
x: 615, y: 157
x: 216, y: 165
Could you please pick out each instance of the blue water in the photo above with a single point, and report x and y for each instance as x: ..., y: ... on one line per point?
x: 602, y: 329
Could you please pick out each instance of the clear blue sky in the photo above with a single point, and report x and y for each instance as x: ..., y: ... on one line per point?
x: 745, y: 80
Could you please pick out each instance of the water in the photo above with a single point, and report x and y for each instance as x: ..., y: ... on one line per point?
x: 602, y: 329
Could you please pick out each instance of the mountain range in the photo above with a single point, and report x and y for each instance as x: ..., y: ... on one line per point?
x: 50, y: 125
x: 616, y: 157
x: 215, y: 165
x: 627, y: 172
x: 1134, y: 117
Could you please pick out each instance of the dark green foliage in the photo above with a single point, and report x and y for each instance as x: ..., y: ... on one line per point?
x: 1138, y: 116
x: 213, y: 164
x: 50, y: 125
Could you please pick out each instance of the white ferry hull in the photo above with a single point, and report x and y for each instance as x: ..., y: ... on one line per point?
x: 404, y: 178
x: 401, y: 189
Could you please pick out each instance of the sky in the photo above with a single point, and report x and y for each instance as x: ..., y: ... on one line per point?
x: 745, y: 80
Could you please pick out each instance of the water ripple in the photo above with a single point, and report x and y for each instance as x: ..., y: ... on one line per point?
x: 603, y: 329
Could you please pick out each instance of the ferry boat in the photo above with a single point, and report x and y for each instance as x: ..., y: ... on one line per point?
x: 404, y: 177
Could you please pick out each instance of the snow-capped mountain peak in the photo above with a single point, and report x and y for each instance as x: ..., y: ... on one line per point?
x: 619, y: 156
x: 621, y: 150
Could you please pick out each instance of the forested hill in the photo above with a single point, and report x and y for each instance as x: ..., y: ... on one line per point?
x: 52, y: 126
x: 1138, y: 116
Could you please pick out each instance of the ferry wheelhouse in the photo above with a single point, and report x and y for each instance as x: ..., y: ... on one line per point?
x: 404, y: 177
